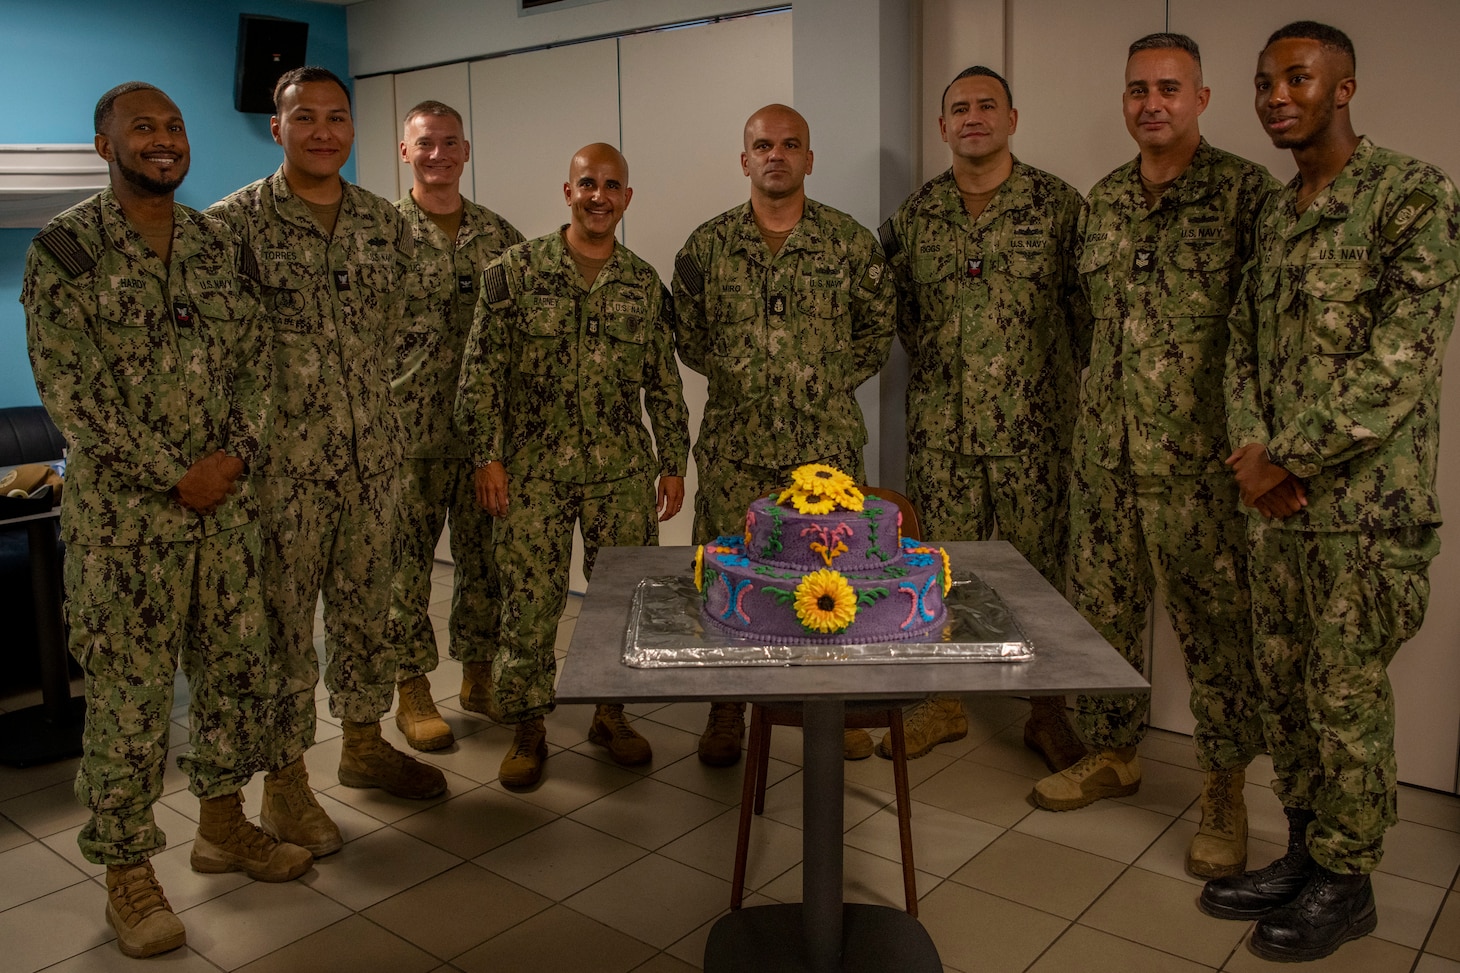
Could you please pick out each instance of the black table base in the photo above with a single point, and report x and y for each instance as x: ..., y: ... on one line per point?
x: 769, y: 939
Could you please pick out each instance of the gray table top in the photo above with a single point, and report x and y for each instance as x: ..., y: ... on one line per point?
x: 1069, y: 655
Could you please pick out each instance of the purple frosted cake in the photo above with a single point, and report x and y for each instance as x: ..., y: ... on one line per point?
x: 819, y: 562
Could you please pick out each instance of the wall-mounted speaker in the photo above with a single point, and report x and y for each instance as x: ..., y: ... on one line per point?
x: 267, y: 47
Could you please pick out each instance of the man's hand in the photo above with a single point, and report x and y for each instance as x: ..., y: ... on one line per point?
x: 209, y: 482
x: 491, y: 488
x: 1283, y: 500
x: 670, y: 496
x: 1255, y: 474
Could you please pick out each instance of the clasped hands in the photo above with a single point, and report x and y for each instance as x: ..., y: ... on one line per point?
x: 1265, y: 486
x: 209, y: 482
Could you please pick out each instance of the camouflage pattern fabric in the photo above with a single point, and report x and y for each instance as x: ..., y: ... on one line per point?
x: 1159, y: 282
x: 783, y: 340
x: 429, y: 488
x: 147, y: 368
x: 135, y: 613
x: 1334, y: 364
x: 993, y: 339
x: 1179, y: 535
x: 960, y: 497
x: 551, y: 386
x: 1329, y: 711
x: 727, y: 487
x: 436, y: 479
x: 331, y: 538
x: 552, y: 373
x: 533, y: 551
x: 140, y: 392
x: 333, y: 306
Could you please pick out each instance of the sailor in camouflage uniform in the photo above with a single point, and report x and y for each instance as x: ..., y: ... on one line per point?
x: 334, y: 261
x: 146, y: 351
x: 570, y: 329
x: 782, y: 304
x: 983, y: 259
x: 1333, y: 378
x: 1163, y: 239
x: 455, y: 239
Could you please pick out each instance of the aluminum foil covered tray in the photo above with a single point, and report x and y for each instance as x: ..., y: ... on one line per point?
x: 665, y: 630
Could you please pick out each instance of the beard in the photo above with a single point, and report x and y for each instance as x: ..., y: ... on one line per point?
x: 147, y: 184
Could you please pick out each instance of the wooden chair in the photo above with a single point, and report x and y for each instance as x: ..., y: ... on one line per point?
x: 859, y: 716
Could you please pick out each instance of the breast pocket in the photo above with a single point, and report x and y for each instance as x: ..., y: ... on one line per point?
x: 1340, y: 319
x: 737, y: 325
x: 627, y: 336
x: 1097, y: 272
x: 1202, y: 281
x: 135, y: 343
x: 543, y: 325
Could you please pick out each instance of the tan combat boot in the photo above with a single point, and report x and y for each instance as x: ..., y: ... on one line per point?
x: 856, y: 744
x: 292, y: 813
x: 1219, y: 847
x: 720, y: 743
x: 522, y: 763
x: 139, y: 912
x: 366, y: 760
x: 476, y: 690
x: 1048, y: 733
x: 611, y: 730
x: 417, y: 716
x: 1107, y: 773
x: 226, y: 842
x: 927, y: 724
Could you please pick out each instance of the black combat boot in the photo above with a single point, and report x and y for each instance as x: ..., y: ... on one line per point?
x: 1253, y: 895
x: 1331, y: 910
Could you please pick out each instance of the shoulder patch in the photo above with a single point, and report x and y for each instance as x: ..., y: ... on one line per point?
x: 67, y: 251
x: 891, y: 246
x: 689, y: 273
x: 1414, y: 207
x: 666, y: 309
x: 870, y: 283
x: 248, y: 265
x: 494, y: 285
x: 405, y: 240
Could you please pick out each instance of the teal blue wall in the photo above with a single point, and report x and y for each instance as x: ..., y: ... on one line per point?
x: 58, y: 56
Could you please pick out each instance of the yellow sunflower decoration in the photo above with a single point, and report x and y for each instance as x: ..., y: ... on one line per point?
x: 947, y: 573
x: 819, y: 489
x: 700, y: 568
x: 825, y: 602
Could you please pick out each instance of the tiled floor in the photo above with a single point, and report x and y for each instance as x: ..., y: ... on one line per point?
x: 605, y: 869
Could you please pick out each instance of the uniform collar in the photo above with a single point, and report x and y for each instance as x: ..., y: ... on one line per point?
x: 1014, y: 193
x: 1195, y: 183
x: 809, y: 233
x: 471, y: 225
x: 120, y: 236
x: 1338, y: 202
x: 293, y: 209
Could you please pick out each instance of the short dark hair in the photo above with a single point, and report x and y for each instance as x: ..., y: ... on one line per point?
x: 107, y: 103
x: 305, y: 75
x: 1167, y: 41
x: 436, y: 108
x: 977, y: 71
x: 1310, y: 30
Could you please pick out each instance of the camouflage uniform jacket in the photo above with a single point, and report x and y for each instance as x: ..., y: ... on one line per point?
x: 986, y: 316
x: 428, y: 349
x: 784, y: 341
x: 145, y: 367
x: 1338, y: 338
x: 1160, y: 283
x: 333, y: 307
x: 551, y: 376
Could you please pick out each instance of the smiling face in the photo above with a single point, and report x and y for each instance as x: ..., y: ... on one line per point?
x: 777, y: 155
x: 597, y: 191
x: 1163, y: 99
x: 436, y: 149
x: 145, y: 143
x: 1301, y: 86
x: 315, y: 128
x: 977, y: 120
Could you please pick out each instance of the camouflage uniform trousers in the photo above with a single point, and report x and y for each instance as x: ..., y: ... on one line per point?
x: 726, y: 488
x: 429, y: 489
x: 1182, y: 535
x: 135, y: 613
x: 534, y: 545
x: 331, y: 536
x: 961, y: 498
x: 1330, y: 612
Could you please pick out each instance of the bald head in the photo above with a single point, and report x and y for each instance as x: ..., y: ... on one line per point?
x: 777, y: 155
x: 779, y: 116
x: 598, y: 154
